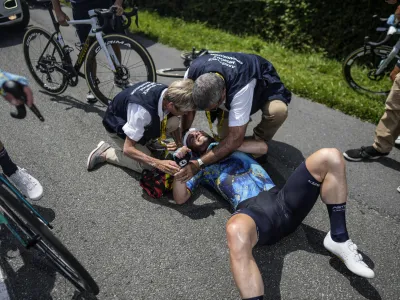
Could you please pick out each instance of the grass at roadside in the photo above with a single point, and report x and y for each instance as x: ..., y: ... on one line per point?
x: 308, y: 75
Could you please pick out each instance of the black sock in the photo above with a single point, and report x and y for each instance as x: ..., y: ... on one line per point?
x: 254, y: 298
x: 337, y: 216
x: 7, y: 164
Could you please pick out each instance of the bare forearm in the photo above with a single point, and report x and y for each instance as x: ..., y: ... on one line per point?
x: 225, y: 147
x: 137, y: 155
x: 177, y: 136
x: 180, y: 192
x: 118, y: 2
x: 253, y: 147
x: 56, y: 5
x: 187, y: 120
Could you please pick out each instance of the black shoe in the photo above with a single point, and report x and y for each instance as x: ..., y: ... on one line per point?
x: 363, y: 153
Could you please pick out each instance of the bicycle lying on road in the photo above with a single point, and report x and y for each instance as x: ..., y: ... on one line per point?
x: 188, y: 57
x: 367, y: 69
x: 30, y: 228
x: 112, y: 62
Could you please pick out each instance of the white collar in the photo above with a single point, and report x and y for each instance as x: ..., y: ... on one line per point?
x: 162, y: 113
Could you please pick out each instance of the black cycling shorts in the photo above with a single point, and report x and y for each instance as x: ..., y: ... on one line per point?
x: 80, y: 12
x: 277, y: 213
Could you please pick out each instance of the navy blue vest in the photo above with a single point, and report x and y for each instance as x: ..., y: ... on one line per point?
x: 238, y: 69
x: 145, y: 94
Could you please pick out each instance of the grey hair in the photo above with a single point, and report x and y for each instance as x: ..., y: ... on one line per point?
x: 207, y: 90
x: 180, y: 93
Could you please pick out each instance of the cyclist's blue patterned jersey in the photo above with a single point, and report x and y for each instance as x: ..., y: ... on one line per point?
x: 5, y: 76
x: 237, y: 178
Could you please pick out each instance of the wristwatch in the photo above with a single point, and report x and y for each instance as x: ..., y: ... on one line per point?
x: 201, y: 164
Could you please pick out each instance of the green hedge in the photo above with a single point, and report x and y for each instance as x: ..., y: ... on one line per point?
x: 335, y: 27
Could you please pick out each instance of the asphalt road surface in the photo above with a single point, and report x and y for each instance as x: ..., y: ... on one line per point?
x: 139, y: 248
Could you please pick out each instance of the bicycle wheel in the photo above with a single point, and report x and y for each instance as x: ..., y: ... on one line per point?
x: 360, y: 66
x: 40, y: 237
x: 42, y: 62
x: 172, y: 72
x: 188, y: 55
x: 136, y: 65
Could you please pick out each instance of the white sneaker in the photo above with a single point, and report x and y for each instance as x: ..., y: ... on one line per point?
x: 27, y: 184
x: 398, y: 189
x: 397, y: 141
x: 90, y: 97
x: 347, y: 253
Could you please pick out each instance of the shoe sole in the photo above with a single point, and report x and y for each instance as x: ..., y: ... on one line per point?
x: 91, y: 154
x: 360, y: 159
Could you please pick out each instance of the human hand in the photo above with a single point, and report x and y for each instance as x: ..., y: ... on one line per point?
x: 391, y: 1
x: 171, y: 146
x: 186, y: 173
x: 120, y: 10
x: 62, y: 18
x: 29, y: 97
x: 181, y: 152
x: 168, y: 166
x: 393, y: 74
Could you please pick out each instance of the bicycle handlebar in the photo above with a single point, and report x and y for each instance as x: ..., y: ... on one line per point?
x: 384, y: 41
x: 111, y: 13
x: 17, y: 90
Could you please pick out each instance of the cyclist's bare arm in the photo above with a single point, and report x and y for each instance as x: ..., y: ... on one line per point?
x: 252, y: 146
x: 62, y: 18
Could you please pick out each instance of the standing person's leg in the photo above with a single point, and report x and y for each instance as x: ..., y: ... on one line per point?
x: 242, y: 237
x: 26, y: 183
x: 8, y: 166
x: 386, y: 132
x: 388, y: 128
x: 274, y: 113
x: 105, y: 153
x: 80, y: 12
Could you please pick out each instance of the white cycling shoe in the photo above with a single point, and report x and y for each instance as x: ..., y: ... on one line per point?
x: 347, y: 253
x: 27, y: 184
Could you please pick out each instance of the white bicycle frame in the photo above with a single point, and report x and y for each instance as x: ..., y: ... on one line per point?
x: 392, y: 30
x: 94, y: 22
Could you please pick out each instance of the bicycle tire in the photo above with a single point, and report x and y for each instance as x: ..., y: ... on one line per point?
x: 359, y: 66
x: 188, y: 55
x: 59, y: 256
x: 172, y: 72
x: 31, y: 35
x: 148, y: 70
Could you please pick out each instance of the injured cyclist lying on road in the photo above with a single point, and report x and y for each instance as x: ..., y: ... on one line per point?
x: 263, y: 214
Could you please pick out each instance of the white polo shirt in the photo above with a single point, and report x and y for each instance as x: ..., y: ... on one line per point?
x: 138, y: 118
x: 239, y: 114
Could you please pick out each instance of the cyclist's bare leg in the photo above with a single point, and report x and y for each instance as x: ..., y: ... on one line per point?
x: 242, y: 237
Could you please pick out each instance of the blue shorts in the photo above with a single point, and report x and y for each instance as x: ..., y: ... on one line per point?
x: 277, y: 213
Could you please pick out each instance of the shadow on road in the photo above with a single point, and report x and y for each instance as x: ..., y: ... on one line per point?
x: 389, y: 163
x: 72, y: 102
x: 270, y: 260
x: 11, y: 37
x: 35, y: 278
x: 29, y: 274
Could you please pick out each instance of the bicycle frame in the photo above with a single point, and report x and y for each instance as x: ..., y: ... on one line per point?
x: 21, y: 198
x: 93, y: 34
x: 392, y: 55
